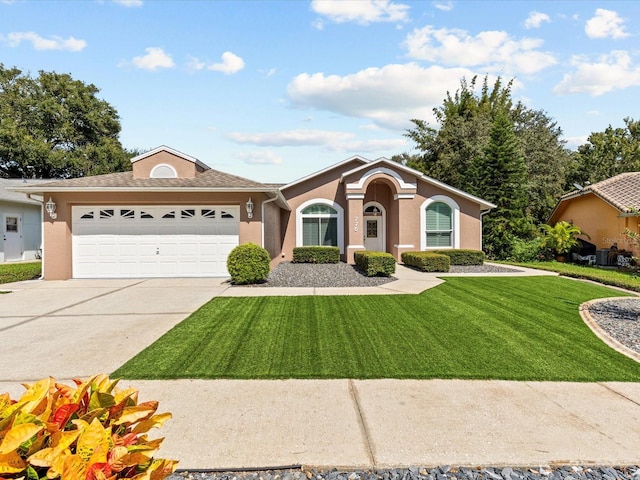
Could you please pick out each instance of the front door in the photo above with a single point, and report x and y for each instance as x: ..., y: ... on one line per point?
x: 12, y: 235
x: 373, y: 238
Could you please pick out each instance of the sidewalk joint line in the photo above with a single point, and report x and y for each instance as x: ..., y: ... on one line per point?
x: 618, y: 393
x: 353, y: 391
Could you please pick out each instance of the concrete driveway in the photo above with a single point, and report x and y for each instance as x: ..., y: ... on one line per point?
x: 77, y: 328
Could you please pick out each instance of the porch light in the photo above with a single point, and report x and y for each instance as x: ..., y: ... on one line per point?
x: 249, y: 208
x: 50, y: 207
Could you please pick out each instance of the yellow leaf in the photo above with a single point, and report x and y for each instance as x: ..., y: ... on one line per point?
x: 5, y: 401
x: 75, y: 468
x: 93, y: 437
x: 116, y: 456
x: 11, y: 463
x: 154, y: 422
x: 17, y: 435
x: 35, y: 393
x: 138, y: 412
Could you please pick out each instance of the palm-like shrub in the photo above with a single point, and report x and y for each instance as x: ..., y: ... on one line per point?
x: 561, y: 237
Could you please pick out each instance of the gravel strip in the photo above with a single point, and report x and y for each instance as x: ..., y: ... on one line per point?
x: 288, y: 274
x: 441, y: 473
x: 620, y: 318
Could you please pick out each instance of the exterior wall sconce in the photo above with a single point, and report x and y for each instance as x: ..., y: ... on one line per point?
x: 50, y: 207
x: 249, y: 208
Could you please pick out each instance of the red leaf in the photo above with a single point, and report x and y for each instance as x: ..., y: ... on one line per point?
x: 92, y: 471
x: 62, y: 414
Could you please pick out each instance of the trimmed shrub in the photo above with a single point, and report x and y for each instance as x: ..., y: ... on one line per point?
x: 248, y: 263
x: 375, y: 263
x: 463, y: 257
x: 316, y: 254
x: 427, y: 261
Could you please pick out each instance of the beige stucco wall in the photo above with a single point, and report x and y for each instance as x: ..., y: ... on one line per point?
x: 184, y: 168
x: 272, y: 232
x: 57, y: 233
x: 403, y: 215
x: 600, y: 222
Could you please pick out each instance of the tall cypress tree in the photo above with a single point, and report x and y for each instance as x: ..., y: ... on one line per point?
x: 504, y: 183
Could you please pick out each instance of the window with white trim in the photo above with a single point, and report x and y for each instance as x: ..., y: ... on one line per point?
x: 319, y: 226
x: 439, y: 225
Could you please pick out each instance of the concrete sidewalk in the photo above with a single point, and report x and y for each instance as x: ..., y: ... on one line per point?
x: 393, y: 423
x: 78, y: 328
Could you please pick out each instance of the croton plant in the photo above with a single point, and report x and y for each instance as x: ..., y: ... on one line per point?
x: 89, y: 431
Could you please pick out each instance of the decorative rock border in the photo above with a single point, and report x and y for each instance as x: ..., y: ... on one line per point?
x: 600, y: 332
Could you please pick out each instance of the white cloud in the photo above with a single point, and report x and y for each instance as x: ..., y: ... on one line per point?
x: 494, y: 51
x: 332, y: 141
x: 444, y: 6
x: 195, y: 64
x: 231, y: 63
x: 535, y: 19
x: 262, y: 157
x: 129, y: 3
x: 154, y: 59
x: 574, y: 142
x: 390, y: 96
x: 71, y: 44
x: 289, y: 138
x: 363, y: 12
x: 605, y: 24
x: 614, y: 71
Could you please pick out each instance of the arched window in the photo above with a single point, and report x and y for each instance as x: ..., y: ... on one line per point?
x: 163, y: 171
x: 319, y: 222
x: 319, y: 225
x: 440, y: 223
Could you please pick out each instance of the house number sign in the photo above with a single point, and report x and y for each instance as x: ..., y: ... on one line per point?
x: 355, y: 224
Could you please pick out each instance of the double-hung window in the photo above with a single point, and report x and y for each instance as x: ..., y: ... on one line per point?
x: 319, y: 226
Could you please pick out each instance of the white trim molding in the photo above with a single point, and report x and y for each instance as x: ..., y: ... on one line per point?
x: 404, y: 246
x: 387, y: 171
x: 359, y: 247
x: 455, y: 208
x: 322, y: 201
x: 355, y: 196
x: 408, y: 196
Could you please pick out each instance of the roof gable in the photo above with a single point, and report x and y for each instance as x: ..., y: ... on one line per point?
x: 164, y: 148
x: 621, y: 192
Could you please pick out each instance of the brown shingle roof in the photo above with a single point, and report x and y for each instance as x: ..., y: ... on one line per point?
x: 213, y: 179
x: 621, y: 191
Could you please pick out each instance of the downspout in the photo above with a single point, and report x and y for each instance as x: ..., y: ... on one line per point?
x: 262, y: 215
x: 41, y: 202
x: 482, y: 214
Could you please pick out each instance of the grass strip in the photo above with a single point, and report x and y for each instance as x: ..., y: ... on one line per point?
x: 525, y: 328
x: 616, y: 278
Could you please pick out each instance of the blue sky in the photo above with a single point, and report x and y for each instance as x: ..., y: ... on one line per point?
x: 275, y: 90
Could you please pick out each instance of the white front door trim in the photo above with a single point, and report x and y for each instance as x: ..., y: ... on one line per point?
x: 378, y: 244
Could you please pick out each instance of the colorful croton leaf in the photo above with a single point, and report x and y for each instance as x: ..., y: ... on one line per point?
x: 88, y: 431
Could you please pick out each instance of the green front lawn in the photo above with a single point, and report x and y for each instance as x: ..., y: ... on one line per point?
x: 16, y: 272
x: 525, y: 328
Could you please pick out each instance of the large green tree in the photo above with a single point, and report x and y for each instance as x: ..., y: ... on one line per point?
x: 456, y: 151
x: 608, y: 153
x: 53, y: 126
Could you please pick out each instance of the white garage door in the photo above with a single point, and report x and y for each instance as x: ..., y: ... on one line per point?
x: 141, y: 241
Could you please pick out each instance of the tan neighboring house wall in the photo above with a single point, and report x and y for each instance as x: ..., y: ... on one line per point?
x: 378, y: 205
x: 601, y: 222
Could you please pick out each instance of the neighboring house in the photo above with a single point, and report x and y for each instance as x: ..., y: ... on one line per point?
x: 603, y: 210
x: 21, y: 219
x: 174, y: 216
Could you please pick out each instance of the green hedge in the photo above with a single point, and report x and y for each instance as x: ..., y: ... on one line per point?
x: 248, y: 263
x: 426, y: 261
x: 375, y: 263
x: 463, y: 257
x: 316, y: 255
